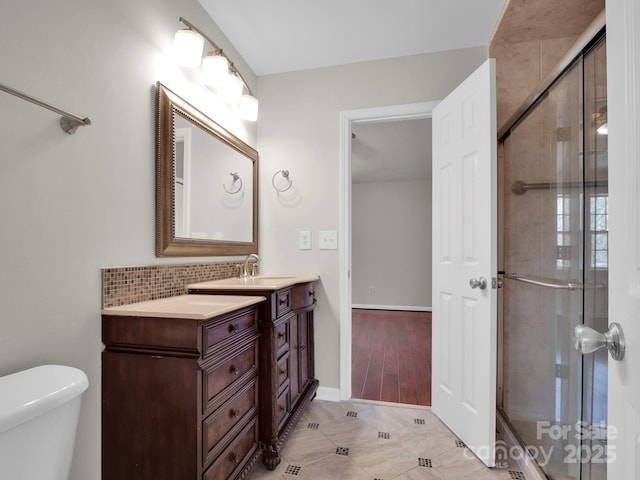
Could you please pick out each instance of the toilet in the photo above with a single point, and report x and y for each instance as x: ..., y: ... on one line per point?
x: 39, y: 410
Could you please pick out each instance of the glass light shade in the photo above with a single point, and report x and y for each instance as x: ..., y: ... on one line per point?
x: 249, y: 108
x: 215, y: 69
x: 232, y: 89
x: 603, y: 129
x: 187, y: 48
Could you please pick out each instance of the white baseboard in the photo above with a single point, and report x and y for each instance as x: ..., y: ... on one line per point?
x: 328, y: 393
x: 392, y: 307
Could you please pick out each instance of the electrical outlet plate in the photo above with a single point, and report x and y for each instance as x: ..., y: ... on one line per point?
x: 328, y: 239
x: 304, y: 240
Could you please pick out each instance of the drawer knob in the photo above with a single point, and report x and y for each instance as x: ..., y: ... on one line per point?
x: 234, y: 328
x: 235, y: 413
x: 284, y: 301
x: 235, y: 369
x: 312, y: 293
x: 303, y: 347
x: 236, y: 457
x: 280, y: 335
x: 283, y: 371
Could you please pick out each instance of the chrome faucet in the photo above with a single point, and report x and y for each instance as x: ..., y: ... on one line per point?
x: 245, y: 268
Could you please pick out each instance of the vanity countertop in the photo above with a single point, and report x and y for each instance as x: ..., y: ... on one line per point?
x: 258, y: 282
x: 196, y: 307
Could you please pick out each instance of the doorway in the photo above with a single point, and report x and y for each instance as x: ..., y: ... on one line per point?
x: 368, y: 281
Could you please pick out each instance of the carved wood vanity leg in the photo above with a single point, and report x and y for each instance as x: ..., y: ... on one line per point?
x: 271, y: 457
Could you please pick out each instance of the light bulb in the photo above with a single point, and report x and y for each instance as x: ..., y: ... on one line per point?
x: 232, y: 89
x: 215, y: 69
x: 187, y: 48
x: 249, y: 108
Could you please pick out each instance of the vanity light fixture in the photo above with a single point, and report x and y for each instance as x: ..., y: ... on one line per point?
x: 249, y: 108
x: 603, y: 129
x: 601, y: 121
x: 232, y: 89
x: 187, y: 48
x: 218, y: 72
x: 215, y: 70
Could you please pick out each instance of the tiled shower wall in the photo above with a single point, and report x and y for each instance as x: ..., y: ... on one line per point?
x: 529, y: 40
x: 124, y: 285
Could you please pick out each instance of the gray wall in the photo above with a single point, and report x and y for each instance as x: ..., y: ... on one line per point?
x: 70, y: 204
x: 299, y: 130
x: 391, y: 235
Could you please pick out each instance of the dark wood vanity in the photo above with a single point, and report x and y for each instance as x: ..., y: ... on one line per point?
x: 180, y: 395
x: 204, y: 386
x: 286, y: 361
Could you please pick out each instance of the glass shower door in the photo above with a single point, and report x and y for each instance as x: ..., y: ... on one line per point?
x: 543, y: 246
x: 555, y: 251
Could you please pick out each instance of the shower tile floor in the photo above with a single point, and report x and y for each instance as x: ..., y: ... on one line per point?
x: 360, y: 440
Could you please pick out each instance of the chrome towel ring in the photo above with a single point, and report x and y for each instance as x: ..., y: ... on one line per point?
x: 285, y: 175
x: 236, y: 178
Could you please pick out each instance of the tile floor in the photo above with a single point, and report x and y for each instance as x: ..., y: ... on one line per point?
x: 360, y: 440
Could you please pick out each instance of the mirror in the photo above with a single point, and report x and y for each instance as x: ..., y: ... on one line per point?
x: 206, y: 184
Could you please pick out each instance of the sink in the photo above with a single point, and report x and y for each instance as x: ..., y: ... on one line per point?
x: 257, y: 282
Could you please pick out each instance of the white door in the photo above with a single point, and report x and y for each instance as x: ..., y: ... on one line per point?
x: 465, y: 253
x: 623, y: 77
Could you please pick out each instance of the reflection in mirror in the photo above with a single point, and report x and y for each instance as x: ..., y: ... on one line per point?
x: 205, y: 207
x: 207, y: 184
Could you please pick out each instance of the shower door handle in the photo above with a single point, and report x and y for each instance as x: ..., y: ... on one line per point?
x: 480, y: 283
x: 587, y: 340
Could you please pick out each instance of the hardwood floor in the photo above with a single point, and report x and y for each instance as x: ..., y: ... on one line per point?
x: 391, y: 356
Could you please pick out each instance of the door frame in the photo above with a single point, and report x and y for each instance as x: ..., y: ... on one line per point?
x: 623, y: 67
x: 409, y: 111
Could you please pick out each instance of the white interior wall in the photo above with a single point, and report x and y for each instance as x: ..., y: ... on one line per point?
x: 71, y: 204
x: 299, y: 130
x: 391, y: 237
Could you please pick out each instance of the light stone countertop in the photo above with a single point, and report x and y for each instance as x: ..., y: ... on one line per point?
x: 196, y: 307
x: 258, y: 282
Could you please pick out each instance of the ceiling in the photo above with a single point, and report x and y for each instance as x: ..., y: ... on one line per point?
x: 287, y: 35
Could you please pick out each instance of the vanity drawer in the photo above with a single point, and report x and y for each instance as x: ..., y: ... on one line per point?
x: 302, y: 295
x: 235, y: 455
x: 227, y: 418
x: 283, y: 407
x: 232, y: 326
x: 283, y: 370
x: 283, y: 302
x: 230, y: 372
x: 282, y: 337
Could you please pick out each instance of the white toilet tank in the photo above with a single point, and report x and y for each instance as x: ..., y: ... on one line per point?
x: 39, y: 410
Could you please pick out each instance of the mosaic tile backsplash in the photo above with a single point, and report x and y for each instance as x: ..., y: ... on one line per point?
x: 125, y: 285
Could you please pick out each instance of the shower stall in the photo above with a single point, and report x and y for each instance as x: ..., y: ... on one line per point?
x: 555, y: 264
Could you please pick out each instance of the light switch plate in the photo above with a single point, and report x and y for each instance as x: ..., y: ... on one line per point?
x: 328, y: 240
x: 304, y: 240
